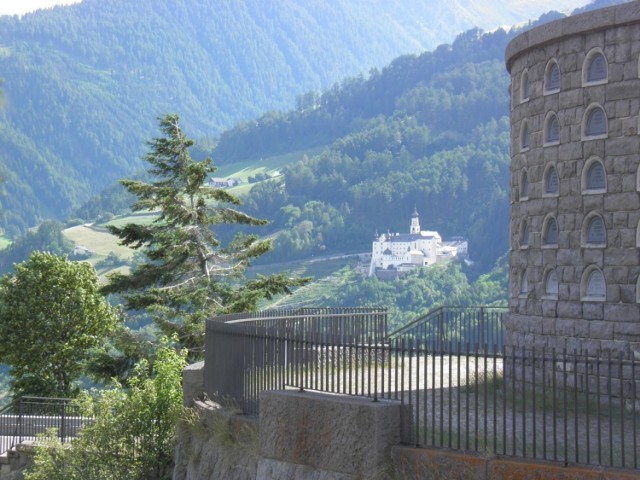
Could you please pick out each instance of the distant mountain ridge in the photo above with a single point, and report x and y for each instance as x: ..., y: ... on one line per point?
x: 83, y: 84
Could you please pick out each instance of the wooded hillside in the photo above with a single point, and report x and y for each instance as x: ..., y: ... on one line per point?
x: 84, y: 84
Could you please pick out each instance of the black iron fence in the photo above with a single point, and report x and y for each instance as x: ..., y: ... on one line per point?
x: 27, y: 417
x: 233, y: 345
x: 450, y: 327
x: 568, y: 407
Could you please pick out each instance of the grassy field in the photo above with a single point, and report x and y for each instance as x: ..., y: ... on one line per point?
x: 98, y: 240
x: 101, y: 243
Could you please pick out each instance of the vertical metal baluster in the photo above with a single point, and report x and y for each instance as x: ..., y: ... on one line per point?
x: 514, y: 402
x: 468, y: 388
x: 634, y: 411
x: 441, y: 394
x: 369, y: 366
x: 575, y: 403
x: 533, y: 400
x: 410, y: 393
x: 425, y: 401
x: 397, y: 368
x: 524, y: 404
x: 544, y: 403
x: 433, y: 396
x: 622, y: 425
x: 458, y: 388
x: 555, y: 409
x: 450, y: 391
x: 609, y: 403
x: 587, y: 375
x: 564, y: 407
x: 599, y: 407
x: 417, y: 414
x: 484, y: 394
x: 495, y: 399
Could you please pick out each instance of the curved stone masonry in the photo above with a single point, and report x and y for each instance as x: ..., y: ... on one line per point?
x: 575, y: 103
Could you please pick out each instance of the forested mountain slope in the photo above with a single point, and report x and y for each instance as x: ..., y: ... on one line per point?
x: 429, y: 131
x: 84, y: 84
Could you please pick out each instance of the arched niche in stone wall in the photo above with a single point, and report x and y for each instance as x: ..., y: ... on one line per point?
x: 551, y: 184
x: 593, y: 287
x: 595, y: 69
x: 551, y: 130
x: 594, y: 123
x: 525, y: 140
x: 524, y: 284
x: 550, y: 232
x: 552, y: 77
x: 523, y: 234
x: 551, y: 283
x: 524, y: 185
x: 525, y: 86
x: 594, y: 176
x: 594, y: 232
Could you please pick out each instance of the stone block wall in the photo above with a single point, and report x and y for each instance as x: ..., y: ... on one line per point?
x: 576, y: 285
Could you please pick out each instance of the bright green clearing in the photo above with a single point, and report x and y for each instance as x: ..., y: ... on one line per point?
x: 4, y: 242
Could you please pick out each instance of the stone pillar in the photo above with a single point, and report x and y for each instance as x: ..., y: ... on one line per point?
x: 348, y: 436
x: 192, y: 383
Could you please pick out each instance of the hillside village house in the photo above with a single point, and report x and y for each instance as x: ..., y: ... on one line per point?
x: 224, y: 182
x: 396, y: 253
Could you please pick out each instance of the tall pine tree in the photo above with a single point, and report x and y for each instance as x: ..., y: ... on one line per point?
x: 188, y: 274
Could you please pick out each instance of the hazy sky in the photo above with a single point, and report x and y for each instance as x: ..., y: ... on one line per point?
x: 18, y: 7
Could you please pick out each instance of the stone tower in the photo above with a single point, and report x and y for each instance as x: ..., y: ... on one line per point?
x: 574, y: 279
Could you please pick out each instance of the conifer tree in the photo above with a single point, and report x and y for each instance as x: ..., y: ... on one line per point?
x: 188, y: 274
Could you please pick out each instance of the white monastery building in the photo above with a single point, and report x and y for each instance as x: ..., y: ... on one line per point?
x: 396, y: 253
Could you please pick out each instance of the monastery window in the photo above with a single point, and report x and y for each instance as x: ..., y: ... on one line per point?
x: 552, y: 78
x: 594, y: 233
x: 524, y: 185
x: 551, y: 181
x: 593, y: 286
x: 550, y: 232
x: 524, y: 86
x: 594, y: 69
x: 551, y: 284
x: 551, y: 130
x: 595, y: 124
x: 638, y: 290
x: 638, y: 235
x: 594, y: 177
x: 524, y: 136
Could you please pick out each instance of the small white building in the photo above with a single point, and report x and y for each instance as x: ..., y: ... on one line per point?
x: 403, y: 252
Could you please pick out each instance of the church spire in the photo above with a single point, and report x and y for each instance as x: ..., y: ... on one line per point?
x: 415, y: 222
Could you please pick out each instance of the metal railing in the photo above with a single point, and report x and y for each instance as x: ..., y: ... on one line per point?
x: 231, y: 345
x: 450, y: 327
x: 332, y: 324
x: 26, y: 418
x: 567, y: 407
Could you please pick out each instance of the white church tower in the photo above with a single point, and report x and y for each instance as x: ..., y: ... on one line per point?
x: 415, y: 222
